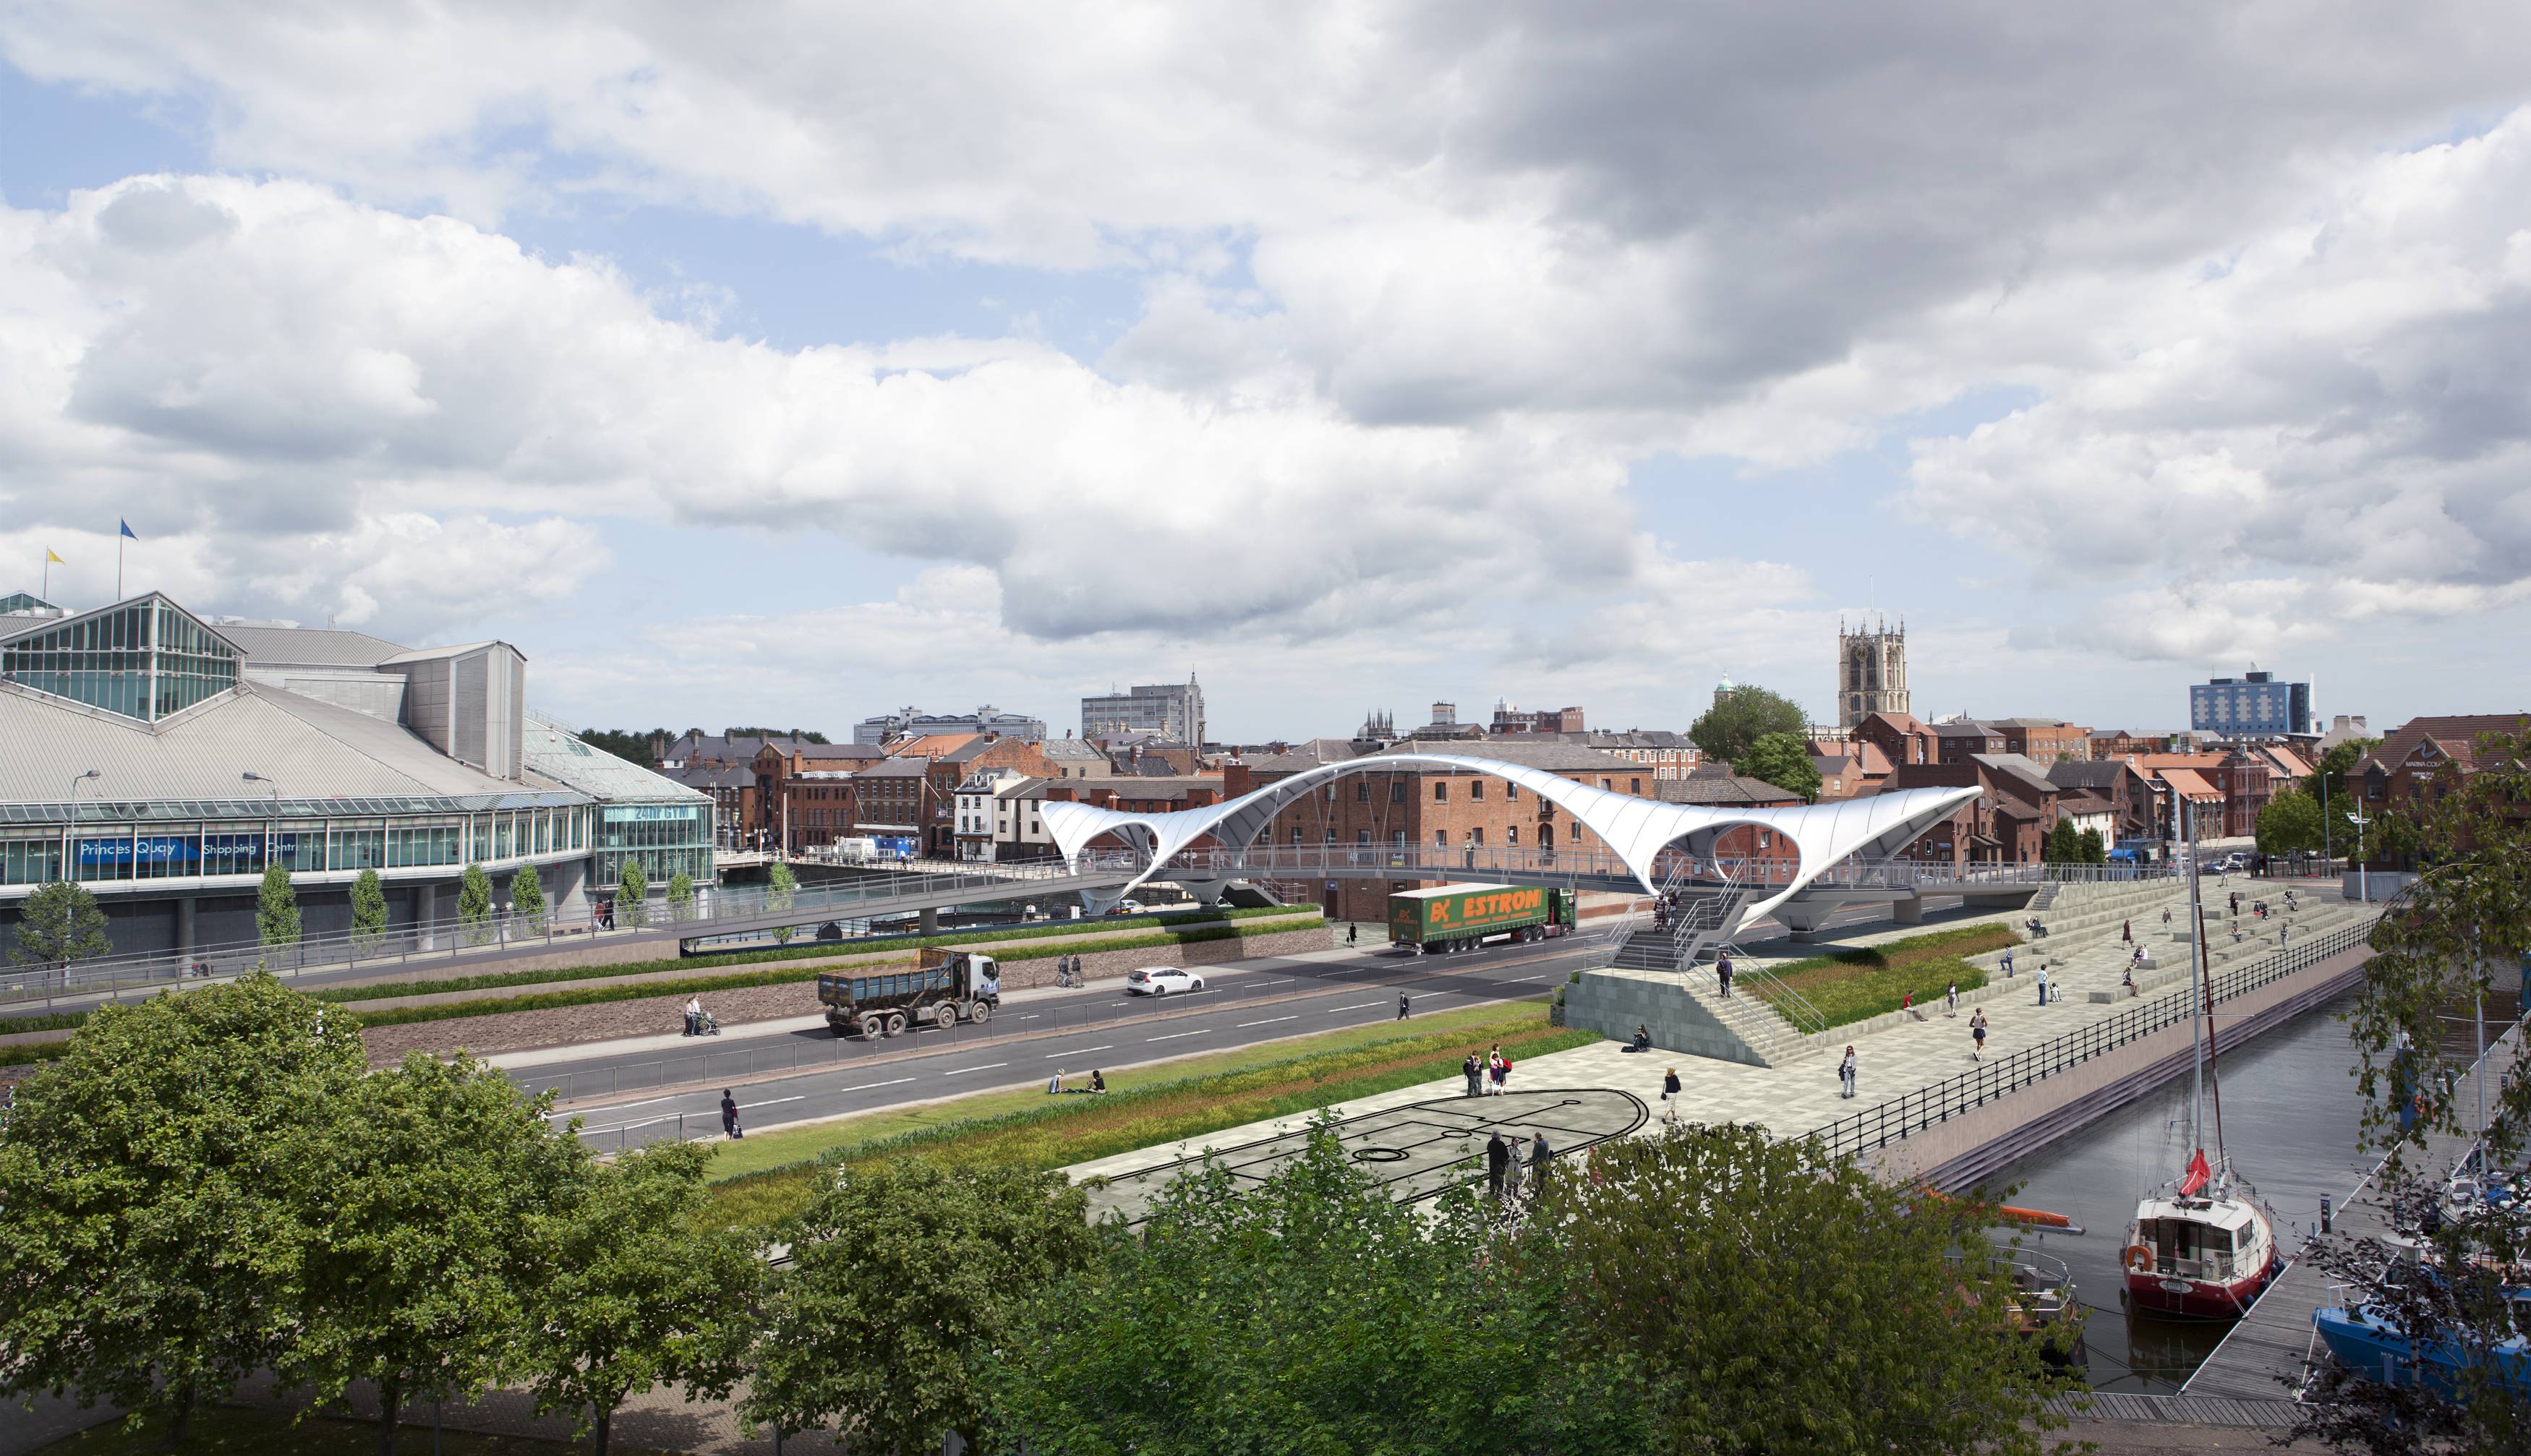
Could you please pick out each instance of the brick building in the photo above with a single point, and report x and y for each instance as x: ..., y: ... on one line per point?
x: 1902, y: 738
x: 1964, y: 739
x: 1851, y: 770
x: 2118, y: 784
x: 892, y: 799
x: 2006, y: 825
x: 2043, y: 740
x: 2423, y: 758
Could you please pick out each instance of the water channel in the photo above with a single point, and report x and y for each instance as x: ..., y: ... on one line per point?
x: 2289, y: 1119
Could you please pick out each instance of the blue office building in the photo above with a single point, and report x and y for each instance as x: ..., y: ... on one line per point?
x: 2252, y: 706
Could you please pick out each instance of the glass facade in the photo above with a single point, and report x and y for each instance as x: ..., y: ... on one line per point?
x: 147, y: 660
x: 103, y: 849
x: 668, y: 839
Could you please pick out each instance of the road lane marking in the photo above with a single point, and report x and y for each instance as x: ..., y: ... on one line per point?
x: 1173, y: 1036
x: 867, y: 1086
x: 1268, y: 1021
x: 1332, y: 1010
x: 986, y: 1067
x: 1517, y: 979
x: 1076, y: 1052
x: 774, y: 1102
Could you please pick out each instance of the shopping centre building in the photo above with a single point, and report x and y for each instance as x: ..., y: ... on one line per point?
x: 164, y: 760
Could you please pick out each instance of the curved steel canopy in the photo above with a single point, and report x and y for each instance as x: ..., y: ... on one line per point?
x: 1636, y: 829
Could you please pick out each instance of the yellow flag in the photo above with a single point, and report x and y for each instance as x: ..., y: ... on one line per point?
x: 49, y: 556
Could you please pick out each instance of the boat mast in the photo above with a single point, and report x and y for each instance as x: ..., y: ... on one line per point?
x: 2196, y: 979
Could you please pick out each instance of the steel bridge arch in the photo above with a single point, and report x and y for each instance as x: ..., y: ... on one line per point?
x: 1635, y: 828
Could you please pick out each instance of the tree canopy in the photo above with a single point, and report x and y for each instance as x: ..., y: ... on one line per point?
x: 60, y: 923
x: 156, y: 1187
x: 631, y: 895
x: 277, y: 908
x: 2289, y: 825
x: 1784, y: 761
x: 902, y: 1276
x: 1739, y: 718
x: 369, y: 907
x: 781, y: 887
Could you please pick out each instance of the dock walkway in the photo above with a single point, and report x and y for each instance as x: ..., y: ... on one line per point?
x: 2269, y: 1354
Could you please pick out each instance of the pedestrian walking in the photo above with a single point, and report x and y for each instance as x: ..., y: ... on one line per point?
x: 2007, y: 964
x: 729, y: 1126
x: 1722, y: 968
x: 1845, y: 1074
x: 1401, y: 1006
x: 2126, y: 932
x: 1669, y: 1096
x: 1539, y: 1154
x: 1497, y: 1162
x: 1353, y: 933
x: 1977, y: 1036
x: 2043, y: 982
x: 1951, y: 1000
x: 1501, y: 1074
x: 693, y: 1016
x: 1495, y: 1072
x: 1468, y: 1069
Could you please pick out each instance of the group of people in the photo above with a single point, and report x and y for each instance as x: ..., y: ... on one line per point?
x: 1487, y: 1078
x: 699, y: 1022
x: 1067, y: 972
x: 1054, y: 1086
x: 1498, y: 1162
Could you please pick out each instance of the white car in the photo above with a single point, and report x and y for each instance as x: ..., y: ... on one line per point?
x: 1161, y: 981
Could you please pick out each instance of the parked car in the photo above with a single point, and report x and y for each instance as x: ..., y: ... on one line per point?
x: 1127, y: 907
x: 1161, y: 981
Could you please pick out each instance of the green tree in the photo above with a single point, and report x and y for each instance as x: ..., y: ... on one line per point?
x: 2289, y: 825
x: 369, y: 908
x: 2453, y: 938
x: 631, y: 895
x: 60, y: 924
x: 1742, y: 716
x: 681, y: 895
x: 276, y: 909
x: 781, y: 887
x: 902, y: 1276
x: 154, y: 1191
x: 527, y: 900
x: 1314, y: 1314
x: 2094, y: 851
x: 1778, y: 1301
x: 418, y: 1276
x: 473, y: 903
x: 1784, y: 761
x: 2064, y: 846
x: 641, y: 1291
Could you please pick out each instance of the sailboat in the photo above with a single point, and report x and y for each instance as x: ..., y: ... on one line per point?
x: 2202, y: 1246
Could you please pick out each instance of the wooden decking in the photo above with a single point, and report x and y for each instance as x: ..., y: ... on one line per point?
x: 2267, y: 1355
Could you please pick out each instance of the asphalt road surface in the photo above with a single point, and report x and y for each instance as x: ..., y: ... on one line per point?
x: 1099, y: 1028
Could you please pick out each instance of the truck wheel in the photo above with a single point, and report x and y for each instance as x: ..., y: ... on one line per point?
x: 896, y: 1022
x: 980, y: 1012
x: 873, y: 1026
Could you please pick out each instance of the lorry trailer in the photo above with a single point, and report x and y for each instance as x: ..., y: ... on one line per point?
x: 1463, y: 916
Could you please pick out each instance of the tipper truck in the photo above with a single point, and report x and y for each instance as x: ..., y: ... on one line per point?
x: 945, y: 986
x: 1463, y: 916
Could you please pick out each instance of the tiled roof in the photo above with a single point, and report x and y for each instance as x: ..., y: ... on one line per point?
x: 2188, y: 784
x: 1724, y: 790
x: 2458, y: 736
x: 1553, y: 756
x: 2016, y: 768
x: 896, y: 769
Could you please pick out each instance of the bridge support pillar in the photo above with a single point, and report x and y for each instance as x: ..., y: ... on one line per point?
x: 1205, y: 891
x: 1909, y: 912
x: 1803, y: 920
x: 930, y: 919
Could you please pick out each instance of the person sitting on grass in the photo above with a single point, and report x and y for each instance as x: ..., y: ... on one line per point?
x: 1097, y: 1084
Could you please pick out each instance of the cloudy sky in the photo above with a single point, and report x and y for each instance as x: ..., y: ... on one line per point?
x: 790, y: 363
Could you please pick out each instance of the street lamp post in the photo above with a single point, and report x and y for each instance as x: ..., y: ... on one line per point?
x: 272, y: 827
x: 2363, y: 885
x: 69, y: 857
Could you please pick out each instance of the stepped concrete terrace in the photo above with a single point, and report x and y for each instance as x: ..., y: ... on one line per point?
x: 1896, y: 1055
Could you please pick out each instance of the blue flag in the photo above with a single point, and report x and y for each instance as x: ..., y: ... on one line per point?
x: 126, y: 528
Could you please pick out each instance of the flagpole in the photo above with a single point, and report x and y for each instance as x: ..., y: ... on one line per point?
x: 46, y: 591
x: 118, y: 565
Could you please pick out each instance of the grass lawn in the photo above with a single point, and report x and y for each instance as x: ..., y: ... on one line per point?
x: 767, y: 1179
x: 1851, y: 986
x: 241, y: 1430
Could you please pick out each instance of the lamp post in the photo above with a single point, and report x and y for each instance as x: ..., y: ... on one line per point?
x: 2363, y: 885
x: 70, y: 864
x: 272, y: 827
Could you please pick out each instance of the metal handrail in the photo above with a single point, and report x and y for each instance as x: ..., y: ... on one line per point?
x: 1902, y: 1116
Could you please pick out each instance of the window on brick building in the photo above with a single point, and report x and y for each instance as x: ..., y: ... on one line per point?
x: 1441, y: 839
x: 1296, y: 836
x: 1361, y: 836
x: 1362, y: 791
x: 1607, y: 783
x: 1440, y: 790
x: 1634, y: 786
x: 1512, y: 836
x: 1510, y: 790
x: 1331, y: 836
x: 1398, y: 791
x: 1477, y: 837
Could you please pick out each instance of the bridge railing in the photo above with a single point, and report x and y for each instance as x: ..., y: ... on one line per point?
x: 716, y: 909
x: 1929, y: 1107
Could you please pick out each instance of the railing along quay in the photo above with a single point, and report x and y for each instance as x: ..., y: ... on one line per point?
x: 1901, y: 1117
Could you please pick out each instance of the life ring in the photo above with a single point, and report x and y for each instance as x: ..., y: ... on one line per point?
x: 2139, y: 1258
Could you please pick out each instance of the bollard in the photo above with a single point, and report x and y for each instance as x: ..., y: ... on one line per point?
x: 2327, y: 1222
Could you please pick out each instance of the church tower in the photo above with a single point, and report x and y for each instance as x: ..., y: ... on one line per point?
x: 1871, y: 670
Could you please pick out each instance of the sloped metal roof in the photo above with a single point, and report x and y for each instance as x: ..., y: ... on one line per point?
x: 555, y: 755
x: 309, y: 646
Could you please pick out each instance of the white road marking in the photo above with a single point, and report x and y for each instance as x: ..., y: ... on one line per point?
x: 1517, y: 979
x: 867, y: 1086
x: 775, y: 1102
x: 1173, y: 1036
x: 1270, y: 1021
x: 1363, y: 1006
x: 989, y: 1066
x: 1076, y: 1052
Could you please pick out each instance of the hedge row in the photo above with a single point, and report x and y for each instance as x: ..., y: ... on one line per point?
x: 697, y: 985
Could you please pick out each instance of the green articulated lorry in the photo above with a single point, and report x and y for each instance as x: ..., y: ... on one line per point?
x: 1463, y: 916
